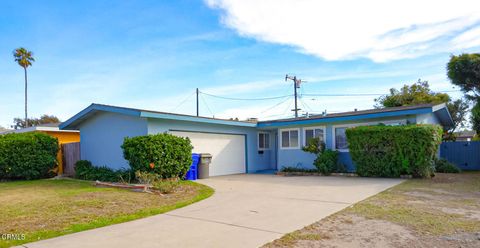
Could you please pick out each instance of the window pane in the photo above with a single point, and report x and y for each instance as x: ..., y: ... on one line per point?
x: 261, y: 140
x: 285, y: 139
x: 308, y: 135
x: 319, y: 134
x: 293, y: 138
x: 340, y: 138
x: 267, y: 140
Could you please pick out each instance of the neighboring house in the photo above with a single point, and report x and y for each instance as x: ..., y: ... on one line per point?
x: 237, y: 146
x: 52, y: 129
x: 464, y: 135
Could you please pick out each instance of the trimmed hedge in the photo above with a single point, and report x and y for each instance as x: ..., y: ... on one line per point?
x: 167, y: 155
x: 86, y: 171
x: 391, y: 151
x: 27, y: 155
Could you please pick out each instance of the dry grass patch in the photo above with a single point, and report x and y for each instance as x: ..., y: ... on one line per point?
x: 47, y: 208
x: 439, y: 212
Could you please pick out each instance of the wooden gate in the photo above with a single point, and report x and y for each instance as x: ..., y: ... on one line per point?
x: 464, y: 154
x: 71, y: 154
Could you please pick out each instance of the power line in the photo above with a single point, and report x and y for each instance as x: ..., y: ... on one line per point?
x: 182, y: 102
x: 208, y: 108
x: 305, y: 104
x: 244, y: 99
x: 281, y: 102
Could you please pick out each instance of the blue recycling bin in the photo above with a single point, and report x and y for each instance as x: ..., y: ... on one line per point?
x: 192, y: 172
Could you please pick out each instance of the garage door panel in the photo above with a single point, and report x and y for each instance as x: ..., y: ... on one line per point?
x: 228, y: 150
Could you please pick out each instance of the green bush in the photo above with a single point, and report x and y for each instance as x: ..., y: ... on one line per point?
x: 443, y: 166
x: 27, y: 155
x: 164, y: 154
x: 86, y: 171
x: 391, y: 151
x: 326, y: 161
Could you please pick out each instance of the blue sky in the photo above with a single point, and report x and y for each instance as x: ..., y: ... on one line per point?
x: 153, y: 54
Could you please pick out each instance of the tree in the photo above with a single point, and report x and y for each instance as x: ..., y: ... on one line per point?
x: 417, y: 93
x: 24, y: 58
x: 458, y: 110
x: 464, y: 71
x: 420, y: 93
x: 44, y: 119
x: 475, y: 118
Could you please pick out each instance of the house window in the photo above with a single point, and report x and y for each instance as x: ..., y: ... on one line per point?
x: 289, y: 139
x: 263, y: 141
x: 317, y: 132
x: 341, y: 138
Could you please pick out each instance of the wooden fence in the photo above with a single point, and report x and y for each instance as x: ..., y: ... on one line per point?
x: 71, y: 154
x: 464, y: 154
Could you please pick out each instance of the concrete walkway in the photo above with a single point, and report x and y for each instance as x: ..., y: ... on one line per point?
x: 245, y: 211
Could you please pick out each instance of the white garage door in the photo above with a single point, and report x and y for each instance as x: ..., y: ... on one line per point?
x: 228, y: 151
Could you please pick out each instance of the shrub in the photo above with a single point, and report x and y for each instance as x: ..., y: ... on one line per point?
x: 27, y: 155
x: 86, y: 171
x: 443, y: 166
x: 146, y: 177
x: 391, y: 151
x: 167, y: 155
x: 167, y: 186
x: 314, y: 146
x: 326, y: 161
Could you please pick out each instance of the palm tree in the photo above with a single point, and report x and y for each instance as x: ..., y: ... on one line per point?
x: 24, y: 58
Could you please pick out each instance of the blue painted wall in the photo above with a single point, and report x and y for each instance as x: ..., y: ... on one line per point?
x: 102, y: 135
x: 301, y: 159
x: 255, y: 161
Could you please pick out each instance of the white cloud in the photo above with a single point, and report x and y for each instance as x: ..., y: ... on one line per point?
x: 248, y: 87
x: 469, y: 38
x: 343, y: 29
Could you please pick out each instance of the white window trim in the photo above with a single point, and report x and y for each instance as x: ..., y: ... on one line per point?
x: 258, y: 141
x: 334, y: 147
x: 313, y: 128
x: 280, y: 139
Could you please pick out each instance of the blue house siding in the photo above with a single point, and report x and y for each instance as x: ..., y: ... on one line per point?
x: 255, y: 160
x: 301, y: 159
x: 102, y: 135
x: 103, y: 128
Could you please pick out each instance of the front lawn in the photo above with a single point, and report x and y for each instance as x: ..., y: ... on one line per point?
x: 439, y: 212
x: 44, y: 209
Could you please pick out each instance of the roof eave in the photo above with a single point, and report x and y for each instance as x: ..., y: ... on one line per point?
x: 346, y: 118
x: 167, y: 116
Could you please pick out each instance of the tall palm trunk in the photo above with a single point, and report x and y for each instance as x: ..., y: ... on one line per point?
x: 26, y: 116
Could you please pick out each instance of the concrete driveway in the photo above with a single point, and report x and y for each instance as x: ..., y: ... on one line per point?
x: 245, y: 211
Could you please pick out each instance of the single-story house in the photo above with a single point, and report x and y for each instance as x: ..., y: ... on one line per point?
x: 237, y: 146
x: 465, y: 135
x: 52, y: 129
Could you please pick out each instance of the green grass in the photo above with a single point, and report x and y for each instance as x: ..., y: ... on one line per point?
x: 44, y: 209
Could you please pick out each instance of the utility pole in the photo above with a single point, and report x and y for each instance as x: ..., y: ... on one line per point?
x: 296, y: 85
x: 197, y: 103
